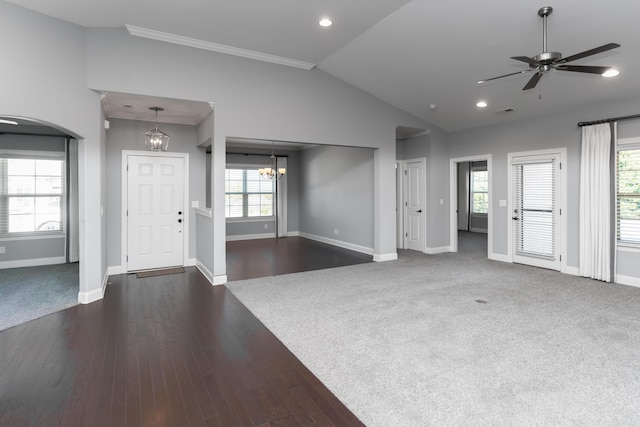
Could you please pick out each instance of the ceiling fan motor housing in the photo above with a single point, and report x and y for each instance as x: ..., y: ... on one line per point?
x: 546, y: 58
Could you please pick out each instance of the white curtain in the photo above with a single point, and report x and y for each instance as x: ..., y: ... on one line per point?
x: 281, y: 202
x: 595, y: 203
x: 73, y: 227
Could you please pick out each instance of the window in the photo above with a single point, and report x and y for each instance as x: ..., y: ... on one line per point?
x: 31, y: 195
x: 246, y: 194
x: 479, y: 192
x: 628, y: 193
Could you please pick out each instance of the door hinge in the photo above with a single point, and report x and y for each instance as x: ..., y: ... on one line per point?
x: 560, y: 211
x: 406, y: 234
x: 127, y: 258
x: 561, y: 258
x: 560, y: 164
x: 405, y: 203
x: 405, y: 172
x: 127, y: 212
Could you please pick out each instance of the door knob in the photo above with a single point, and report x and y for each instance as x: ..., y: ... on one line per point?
x: 419, y: 210
x: 180, y: 220
x: 179, y: 212
x: 515, y: 218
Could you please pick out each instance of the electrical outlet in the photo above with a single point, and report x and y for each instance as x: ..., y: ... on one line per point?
x: 2, y: 249
x: 336, y: 231
x: 266, y: 226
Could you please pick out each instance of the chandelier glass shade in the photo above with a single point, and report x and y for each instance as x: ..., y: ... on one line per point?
x: 155, y: 139
x: 272, y: 171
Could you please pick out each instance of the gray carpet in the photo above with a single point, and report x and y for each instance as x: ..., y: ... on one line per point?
x: 405, y: 343
x: 31, y: 292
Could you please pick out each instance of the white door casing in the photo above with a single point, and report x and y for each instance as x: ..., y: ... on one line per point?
x: 155, y: 228
x: 414, y: 204
x: 536, y: 200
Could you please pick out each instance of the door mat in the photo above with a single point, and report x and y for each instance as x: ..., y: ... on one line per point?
x: 163, y: 272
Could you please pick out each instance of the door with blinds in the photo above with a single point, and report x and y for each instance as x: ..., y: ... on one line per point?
x: 535, y: 213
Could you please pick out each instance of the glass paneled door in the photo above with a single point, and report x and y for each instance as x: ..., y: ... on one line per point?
x: 535, y: 212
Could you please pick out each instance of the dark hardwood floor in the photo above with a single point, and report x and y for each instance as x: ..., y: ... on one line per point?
x: 167, y: 350
x: 248, y: 259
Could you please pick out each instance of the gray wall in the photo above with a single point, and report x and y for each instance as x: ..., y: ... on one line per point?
x: 17, y: 249
x: 546, y: 132
x: 336, y: 192
x: 127, y: 135
x: 57, y: 94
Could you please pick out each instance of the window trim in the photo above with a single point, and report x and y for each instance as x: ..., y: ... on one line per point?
x: 623, y: 144
x: 38, y: 155
x: 245, y: 197
x: 471, y: 171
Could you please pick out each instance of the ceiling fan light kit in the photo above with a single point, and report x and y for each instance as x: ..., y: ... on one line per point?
x: 547, y: 61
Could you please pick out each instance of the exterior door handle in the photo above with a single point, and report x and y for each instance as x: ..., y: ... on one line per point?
x: 515, y: 218
x: 180, y: 220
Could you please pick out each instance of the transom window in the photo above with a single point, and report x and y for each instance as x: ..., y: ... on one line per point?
x: 31, y: 195
x: 246, y: 194
x: 628, y: 193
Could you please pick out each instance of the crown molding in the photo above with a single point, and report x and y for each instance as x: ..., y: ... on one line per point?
x: 215, y: 47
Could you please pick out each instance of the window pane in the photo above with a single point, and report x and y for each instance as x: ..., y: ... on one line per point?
x: 480, y: 181
x: 480, y: 203
x: 21, y: 223
x: 48, y: 185
x: 49, y: 167
x: 252, y: 195
x: 21, y: 167
x: 21, y: 205
x: 21, y: 184
x: 48, y: 205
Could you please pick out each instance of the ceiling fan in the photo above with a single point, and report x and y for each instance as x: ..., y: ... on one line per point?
x: 553, y: 60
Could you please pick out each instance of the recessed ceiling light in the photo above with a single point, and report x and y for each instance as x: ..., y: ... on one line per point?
x: 8, y: 122
x: 612, y: 72
x: 481, y: 104
x: 325, y: 22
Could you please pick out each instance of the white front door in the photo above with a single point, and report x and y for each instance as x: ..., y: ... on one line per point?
x: 155, y: 212
x: 535, y: 211
x: 415, y: 212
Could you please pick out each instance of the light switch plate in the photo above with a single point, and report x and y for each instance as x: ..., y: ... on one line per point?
x: 195, y: 204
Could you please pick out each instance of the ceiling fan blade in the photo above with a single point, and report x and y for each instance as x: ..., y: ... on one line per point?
x: 589, y: 52
x: 582, y: 68
x: 533, y: 82
x: 525, y: 59
x: 502, y: 76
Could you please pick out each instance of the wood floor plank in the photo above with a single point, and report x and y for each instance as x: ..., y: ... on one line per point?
x: 168, y: 350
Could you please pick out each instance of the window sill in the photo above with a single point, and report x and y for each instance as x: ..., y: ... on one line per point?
x: 205, y: 212
x: 32, y: 237
x: 251, y: 219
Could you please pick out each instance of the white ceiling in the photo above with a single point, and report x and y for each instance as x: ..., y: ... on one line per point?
x: 409, y: 53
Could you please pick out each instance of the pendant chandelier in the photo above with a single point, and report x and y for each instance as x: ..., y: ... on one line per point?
x: 272, y: 172
x: 155, y: 139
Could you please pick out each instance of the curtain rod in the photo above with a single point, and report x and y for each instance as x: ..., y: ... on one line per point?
x: 613, y: 119
x: 257, y: 154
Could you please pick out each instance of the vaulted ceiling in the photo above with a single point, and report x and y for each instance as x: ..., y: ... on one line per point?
x: 422, y: 56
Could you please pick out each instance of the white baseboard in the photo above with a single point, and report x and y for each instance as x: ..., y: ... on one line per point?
x: 219, y: 280
x: 385, y: 257
x: 191, y: 262
x: 293, y: 234
x: 32, y: 262
x: 205, y: 271
x: 339, y: 243
x: 251, y: 236
x: 440, y: 250
x: 628, y: 280
x: 93, y: 295
x: 499, y: 257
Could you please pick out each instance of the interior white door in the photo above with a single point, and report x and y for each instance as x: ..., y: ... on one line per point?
x: 155, y: 219
x: 535, y: 213
x: 415, y: 205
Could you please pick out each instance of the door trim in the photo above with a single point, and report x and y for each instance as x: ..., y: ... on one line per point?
x: 423, y: 165
x: 561, y: 185
x: 453, y: 203
x: 399, y: 205
x: 124, y: 198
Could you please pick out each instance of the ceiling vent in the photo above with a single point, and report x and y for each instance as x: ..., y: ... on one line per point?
x: 505, y: 111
